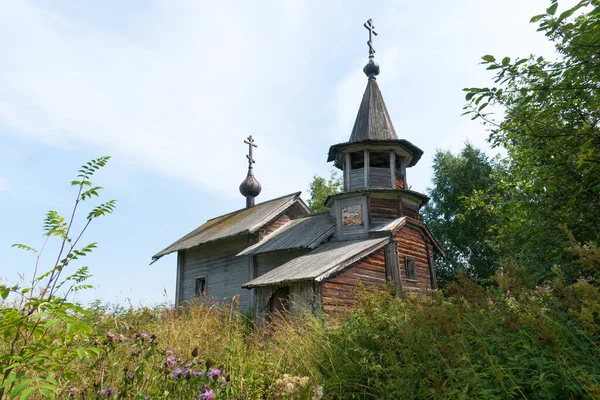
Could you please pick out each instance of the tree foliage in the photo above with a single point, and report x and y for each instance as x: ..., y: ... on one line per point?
x: 44, y: 331
x: 550, y: 111
x: 321, y: 188
x: 463, y: 232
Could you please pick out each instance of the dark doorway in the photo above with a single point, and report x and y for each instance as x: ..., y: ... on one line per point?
x: 280, y: 300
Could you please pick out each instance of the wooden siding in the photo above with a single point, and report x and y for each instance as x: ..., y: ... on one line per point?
x: 224, y: 272
x: 266, y: 262
x: 384, y: 209
x: 380, y: 178
x: 357, y: 179
x: 399, y: 180
x: 353, y: 231
x: 273, y: 226
x: 411, y: 210
x: 411, y: 243
x: 339, y: 293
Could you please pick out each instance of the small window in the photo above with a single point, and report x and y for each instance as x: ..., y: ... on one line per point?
x: 410, y: 269
x: 200, y: 290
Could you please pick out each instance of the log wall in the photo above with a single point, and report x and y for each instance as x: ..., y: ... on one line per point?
x: 340, y: 293
x: 384, y: 209
x: 273, y: 226
x: 411, y: 243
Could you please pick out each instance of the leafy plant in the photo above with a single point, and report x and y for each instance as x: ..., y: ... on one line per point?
x: 321, y: 188
x: 44, y: 331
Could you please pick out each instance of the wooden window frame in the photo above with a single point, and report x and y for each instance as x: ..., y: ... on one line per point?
x: 202, y: 291
x: 410, y: 268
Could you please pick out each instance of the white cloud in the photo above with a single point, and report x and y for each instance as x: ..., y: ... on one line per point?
x: 174, y: 98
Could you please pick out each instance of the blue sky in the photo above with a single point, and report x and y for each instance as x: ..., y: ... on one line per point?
x: 171, y: 89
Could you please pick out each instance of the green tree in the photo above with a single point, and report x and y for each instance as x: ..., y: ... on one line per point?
x: 321, y: 188
x: 463, y: 231
x: 549, y: 128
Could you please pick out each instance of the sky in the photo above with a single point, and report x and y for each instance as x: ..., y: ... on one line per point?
x: 170, y: 89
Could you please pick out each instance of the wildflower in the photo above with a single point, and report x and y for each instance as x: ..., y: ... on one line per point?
x: 197, y: 373
x: 121, y: 338
x: 170, y: 361
x: 208, y: 363
x: 144, y: 336
x: 215, y: 373
x: 177, y: 373
x: 317, y: 392
x: 508, y: 293
x: 107, y: 392
x: 133, y: 375
x: 134, y: 353
x: 195, y: 352
x: 110, y: 337
x: 73, y: 392
x: 207, y: 394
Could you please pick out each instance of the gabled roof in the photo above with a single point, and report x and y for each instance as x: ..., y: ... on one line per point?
x: 320, y: 263
x: 240, y: 222
x: 391, y: 227
x: 304, y: 232
x: 373, y: 121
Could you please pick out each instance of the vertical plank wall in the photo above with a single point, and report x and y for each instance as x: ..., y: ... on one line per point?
x: 224, y: 272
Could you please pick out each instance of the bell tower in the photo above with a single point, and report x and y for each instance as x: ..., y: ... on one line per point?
x: 374, y: 162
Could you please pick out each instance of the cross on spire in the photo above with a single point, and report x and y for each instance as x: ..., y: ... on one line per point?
x: 250, y: 142
x: 371, y: 28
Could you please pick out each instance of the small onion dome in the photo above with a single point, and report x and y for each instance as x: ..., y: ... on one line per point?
x: 371, y: 69
x: 250, y: 186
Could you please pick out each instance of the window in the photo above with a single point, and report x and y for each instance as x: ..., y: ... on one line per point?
x: 357, y: 160
x: 410, y: 269
x: 200, y: 290
x: 379, y: 160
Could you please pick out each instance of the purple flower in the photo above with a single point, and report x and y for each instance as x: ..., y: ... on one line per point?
x: 207, y: 394
x: 132, y: 375
x: 197, y: 373
x: 121, y: 338
x: 177, y: 373
x: 144, y: 335
x: 214, y: 373
x: 170, y: 361
x: 73, y: 392
x: 110, y: 337
x: 107, y: 392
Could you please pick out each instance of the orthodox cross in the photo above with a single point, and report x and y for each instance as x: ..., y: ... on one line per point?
x: 369, y: 25
x: 250, y: 142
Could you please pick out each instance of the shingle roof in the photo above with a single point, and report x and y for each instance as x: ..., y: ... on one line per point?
x: 244, y: 221
x: 373, y: 121
x: 304, y: 232
x: 374, y: 125
x: 320, y: 263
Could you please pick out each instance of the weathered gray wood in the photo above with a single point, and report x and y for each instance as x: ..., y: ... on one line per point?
x: 379, y: 177
x: 394, y: 265
x: 393, y: 168
x: 365, y: 208
x: 224, y: 272
x: 366, y: 176
x: 403, y: 170
x: 178, y: 282
x: 347, y: 169
x: 357, y: 179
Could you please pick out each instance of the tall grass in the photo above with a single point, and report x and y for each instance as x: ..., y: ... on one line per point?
x: 513, y: 340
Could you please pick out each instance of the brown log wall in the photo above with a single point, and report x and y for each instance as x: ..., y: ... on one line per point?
x: 384, y: 208
x: 411, y: 243
x: 399, y: 181
x: 339, y: 293
x: 278, y: 223
x: 411, y: 211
